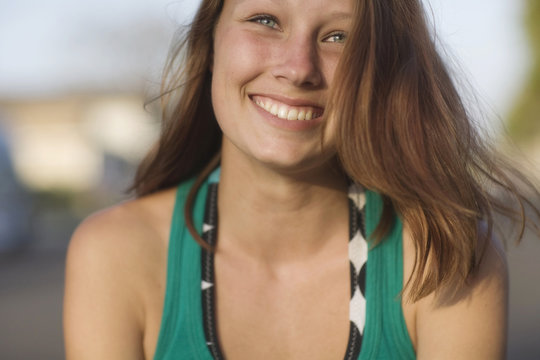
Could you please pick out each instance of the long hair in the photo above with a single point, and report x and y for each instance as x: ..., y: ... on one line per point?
x: 190, y: 136
x: 401, y: 129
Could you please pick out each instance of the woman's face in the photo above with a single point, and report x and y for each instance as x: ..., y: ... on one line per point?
x: 273, y: 62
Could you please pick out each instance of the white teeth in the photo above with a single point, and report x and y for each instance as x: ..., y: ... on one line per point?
x: 274, y: 109
x: 293, y: 115
x: 283, y: 111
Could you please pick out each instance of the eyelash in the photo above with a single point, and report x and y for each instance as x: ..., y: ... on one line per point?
x: 264, y: 20
x: 340, y: 34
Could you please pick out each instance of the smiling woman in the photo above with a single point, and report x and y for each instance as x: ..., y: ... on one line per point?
x: 271, y: 76
x: 317, y: 192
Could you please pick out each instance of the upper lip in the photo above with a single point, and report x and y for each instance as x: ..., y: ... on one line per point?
x: 290, y: 100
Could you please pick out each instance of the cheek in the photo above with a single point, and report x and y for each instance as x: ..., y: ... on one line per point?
x: 239, y: 57
x: 329, y: 67
x: 238, y: 52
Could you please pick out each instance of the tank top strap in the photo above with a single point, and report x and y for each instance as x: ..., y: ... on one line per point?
x: 386, y: 335
x: 181, y: 334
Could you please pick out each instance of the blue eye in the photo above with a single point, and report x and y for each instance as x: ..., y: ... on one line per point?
x: 337, y: 37
x: 266, y: 20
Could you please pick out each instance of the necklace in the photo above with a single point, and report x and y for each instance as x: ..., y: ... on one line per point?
x: 357, y: 259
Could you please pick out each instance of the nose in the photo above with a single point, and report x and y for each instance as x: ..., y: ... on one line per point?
x: 298, y: 62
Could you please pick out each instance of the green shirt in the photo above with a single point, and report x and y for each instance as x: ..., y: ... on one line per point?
x: 182, y: 335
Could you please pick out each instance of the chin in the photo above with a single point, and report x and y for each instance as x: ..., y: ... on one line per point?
x: 280, y: 157
x: 295, y: 164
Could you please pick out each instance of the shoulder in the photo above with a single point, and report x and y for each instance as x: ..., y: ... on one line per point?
x: 114, y: 258
x: 126, y: 232
x: 469, y: 323
x: 134, y: 232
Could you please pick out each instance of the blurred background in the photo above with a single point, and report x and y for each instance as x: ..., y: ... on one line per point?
x: 74, y: 77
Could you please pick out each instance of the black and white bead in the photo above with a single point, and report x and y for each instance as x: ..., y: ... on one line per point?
x: 358, y: 251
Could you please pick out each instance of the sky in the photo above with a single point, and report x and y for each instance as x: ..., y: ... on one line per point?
x: 57, y: 46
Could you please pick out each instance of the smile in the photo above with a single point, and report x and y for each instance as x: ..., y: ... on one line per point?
x: 285, y: 111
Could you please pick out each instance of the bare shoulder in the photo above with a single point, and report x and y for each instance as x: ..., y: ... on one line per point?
x: 133, y: 232
x: 470, y: 323
x: 134, y: 218
x: 116, y: 257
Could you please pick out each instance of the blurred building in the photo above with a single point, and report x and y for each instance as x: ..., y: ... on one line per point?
x: 63, y: 157
x: 61, y: 143
x: 15, y: 204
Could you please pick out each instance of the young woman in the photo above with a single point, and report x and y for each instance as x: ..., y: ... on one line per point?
x: 351, y: 192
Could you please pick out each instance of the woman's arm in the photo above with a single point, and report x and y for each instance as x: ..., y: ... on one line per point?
x: 103, y: 316
x: 472, y: 323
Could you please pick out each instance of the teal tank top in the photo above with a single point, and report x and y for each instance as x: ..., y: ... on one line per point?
x: 182, y: 334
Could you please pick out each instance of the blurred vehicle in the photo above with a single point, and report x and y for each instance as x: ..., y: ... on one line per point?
x: 15, y: 205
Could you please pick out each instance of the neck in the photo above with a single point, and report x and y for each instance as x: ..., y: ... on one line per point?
x: 275, y: 217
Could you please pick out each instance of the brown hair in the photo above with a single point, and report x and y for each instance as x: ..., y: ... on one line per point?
x: 401, y: 129
x: 190, y: 136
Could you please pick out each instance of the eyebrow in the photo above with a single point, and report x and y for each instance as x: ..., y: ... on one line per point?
x: 340, y: 15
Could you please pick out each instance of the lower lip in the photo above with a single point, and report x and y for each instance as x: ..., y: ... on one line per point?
x: 292, y: 125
